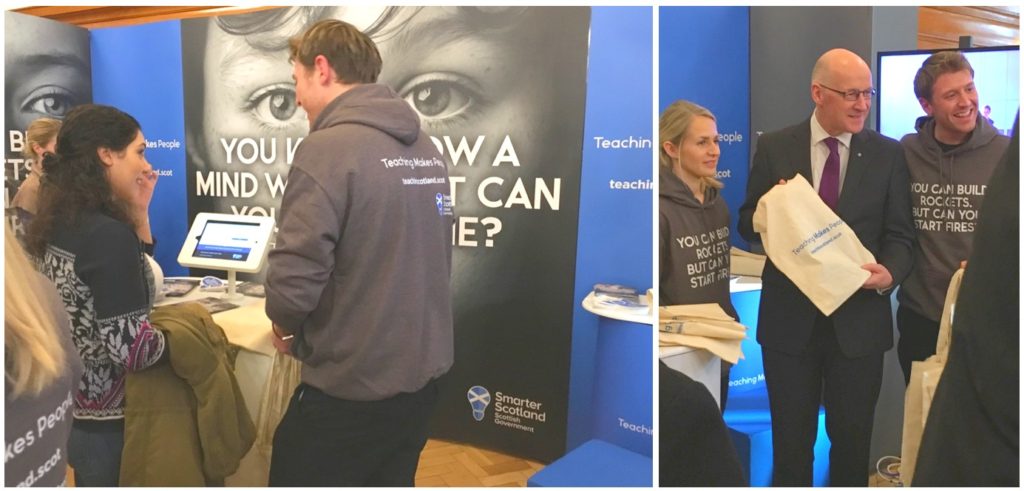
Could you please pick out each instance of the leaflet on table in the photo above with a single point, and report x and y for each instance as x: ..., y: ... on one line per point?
x: 214, y: 304
x: 621, y: 297
x: 251, y: 289
x: 610, y: 290
x: 179, y: 287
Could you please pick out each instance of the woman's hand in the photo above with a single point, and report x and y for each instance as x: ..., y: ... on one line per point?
x: 145, y: 183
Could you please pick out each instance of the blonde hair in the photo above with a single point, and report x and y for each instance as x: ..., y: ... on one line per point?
x: 32, y: 345
x: 672, y: 127
x: 39, y: 132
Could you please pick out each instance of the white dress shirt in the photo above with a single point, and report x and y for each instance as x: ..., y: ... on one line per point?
x: 819, y: 153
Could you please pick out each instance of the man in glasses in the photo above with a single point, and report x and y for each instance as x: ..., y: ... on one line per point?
x: 862, y: 176
x: 950, y: 159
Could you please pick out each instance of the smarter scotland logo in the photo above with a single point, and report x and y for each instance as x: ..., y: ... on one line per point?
x: 444, y: 204
x: 478, y: 398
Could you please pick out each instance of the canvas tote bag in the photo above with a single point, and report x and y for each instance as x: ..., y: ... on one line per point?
x: 810, y: 244
x: 924, y: 378
x: 704, y: 326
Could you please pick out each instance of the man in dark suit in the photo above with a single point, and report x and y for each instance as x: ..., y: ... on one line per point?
x: 862, y: 176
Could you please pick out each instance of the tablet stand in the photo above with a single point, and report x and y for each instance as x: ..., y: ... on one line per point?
x: 232, y: 291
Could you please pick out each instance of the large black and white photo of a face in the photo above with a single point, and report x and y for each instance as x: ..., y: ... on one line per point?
x: 497, y: 80
x: 46, y: 73
x: 502, y: 91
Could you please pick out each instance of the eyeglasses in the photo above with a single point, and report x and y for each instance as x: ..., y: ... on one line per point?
x: 852, y: 94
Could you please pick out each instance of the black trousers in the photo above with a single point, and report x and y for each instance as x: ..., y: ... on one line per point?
x: 918, y: 335
x: 795, y: 387
x: 325, y: 441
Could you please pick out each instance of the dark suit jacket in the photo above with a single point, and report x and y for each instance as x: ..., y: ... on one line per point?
x: 874, y: 202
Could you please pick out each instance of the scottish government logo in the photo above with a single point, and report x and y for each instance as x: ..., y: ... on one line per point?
x: 479, y: 398
x: 444, y: 204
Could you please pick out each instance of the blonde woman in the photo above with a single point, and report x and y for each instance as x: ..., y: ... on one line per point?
x: 41, y: 371
x: 40, y: 139
x: 693, y: 217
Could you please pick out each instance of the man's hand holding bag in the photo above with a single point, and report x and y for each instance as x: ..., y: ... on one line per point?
x: 812, y: 246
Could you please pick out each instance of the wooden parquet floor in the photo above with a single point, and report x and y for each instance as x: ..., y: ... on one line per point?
x: 448, y: 464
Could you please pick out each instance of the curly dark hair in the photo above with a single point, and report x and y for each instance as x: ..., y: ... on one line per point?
x: 74, y: 179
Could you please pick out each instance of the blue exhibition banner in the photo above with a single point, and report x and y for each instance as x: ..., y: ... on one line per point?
x: 138, y: 70
x: 616, y: 199
x: 622, y: 390
x: 716, y: 76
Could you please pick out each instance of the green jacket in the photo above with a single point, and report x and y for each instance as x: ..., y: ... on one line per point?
x: 185, y: 421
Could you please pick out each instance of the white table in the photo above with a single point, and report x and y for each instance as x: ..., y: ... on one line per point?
x: 590, y: 304
x: 622, y: 382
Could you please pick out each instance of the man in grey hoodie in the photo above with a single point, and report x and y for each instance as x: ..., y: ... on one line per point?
x: 358, y: 286
x: 950, y: 159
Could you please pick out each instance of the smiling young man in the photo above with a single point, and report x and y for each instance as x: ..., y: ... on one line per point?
x: 807, y: 355
x: 950, y: 159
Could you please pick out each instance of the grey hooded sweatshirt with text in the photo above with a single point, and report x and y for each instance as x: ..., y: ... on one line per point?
x: 946, y: 189
x: 694, y: 249
x: 361, y: 270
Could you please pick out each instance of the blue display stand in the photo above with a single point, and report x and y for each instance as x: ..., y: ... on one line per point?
x: 623, y: 414
x: 596, y: 464
x: 748, y: 415
x: 619, y: 453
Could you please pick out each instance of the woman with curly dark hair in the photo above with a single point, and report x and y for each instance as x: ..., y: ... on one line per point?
x: 90, y: 237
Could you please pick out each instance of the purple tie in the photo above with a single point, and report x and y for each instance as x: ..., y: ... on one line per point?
x: 828, y: 188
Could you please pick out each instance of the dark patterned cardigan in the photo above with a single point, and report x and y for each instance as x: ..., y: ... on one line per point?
x: 105, y: 283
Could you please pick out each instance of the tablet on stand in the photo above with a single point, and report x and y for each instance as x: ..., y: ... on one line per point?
x: 232, y: 243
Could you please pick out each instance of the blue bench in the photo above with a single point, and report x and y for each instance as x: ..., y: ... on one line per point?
x: 596, y: 463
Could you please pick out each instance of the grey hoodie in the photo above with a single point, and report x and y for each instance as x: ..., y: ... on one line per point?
x: 361, y: 270
x: 946, y: 189
x: 694, y: 249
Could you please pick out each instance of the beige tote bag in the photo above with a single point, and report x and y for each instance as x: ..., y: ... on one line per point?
x: 924, y: 378
x: 810, y: 244
x: 704, y: 326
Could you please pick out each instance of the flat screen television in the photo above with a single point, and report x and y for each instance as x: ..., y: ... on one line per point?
x: 996, y: 76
